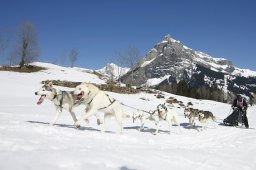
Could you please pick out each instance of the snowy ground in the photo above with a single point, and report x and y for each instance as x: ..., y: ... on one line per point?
x: 28, y: 142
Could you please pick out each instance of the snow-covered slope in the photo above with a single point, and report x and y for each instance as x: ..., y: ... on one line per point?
x: 66, y: 73
x: 113, y: 71
x: 27, y: 142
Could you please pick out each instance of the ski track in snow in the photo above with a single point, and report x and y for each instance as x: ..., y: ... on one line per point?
x: 28, y: 142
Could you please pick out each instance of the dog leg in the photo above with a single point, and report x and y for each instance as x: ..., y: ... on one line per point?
x: 86, y: 120
x: 203, y: 125
x: 119, y: 122
x: 190, y: 123
x: 177, y: 122
x: 57, y: 115
x: 157, y: 128
x: 105, y: 124
x: 98, y: 119
x: 142, y: 126
x: 84, y: 117
x: 169, y: 124
x: 121, y: 127
x: 206, y: 124
x: 193, y: 123
x: 73, y: 117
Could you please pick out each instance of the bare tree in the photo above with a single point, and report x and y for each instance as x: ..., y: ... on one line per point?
x: 4, y: 44
x: 28, y: 43
x: 132, y: 57
x: 73, y: 56
x: 120, y: 62
x: 109, y: 70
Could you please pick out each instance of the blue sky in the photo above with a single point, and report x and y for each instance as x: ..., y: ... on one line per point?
x: 99, y: 29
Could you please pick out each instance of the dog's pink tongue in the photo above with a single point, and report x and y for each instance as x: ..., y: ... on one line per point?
x: 79, y: 96
x: 41, y: 99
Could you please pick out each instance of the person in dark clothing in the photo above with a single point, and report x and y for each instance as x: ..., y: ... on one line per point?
x: 241, y: 104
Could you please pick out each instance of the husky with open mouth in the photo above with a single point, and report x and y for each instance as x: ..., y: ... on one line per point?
x: 62, y: 100
x: 96, y: 101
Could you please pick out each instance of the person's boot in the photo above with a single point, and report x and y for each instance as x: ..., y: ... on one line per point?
x: 245, y: 120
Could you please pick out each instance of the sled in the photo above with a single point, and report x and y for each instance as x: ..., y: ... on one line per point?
x: 235, y: 118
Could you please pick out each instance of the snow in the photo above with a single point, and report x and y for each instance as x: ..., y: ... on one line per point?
x: 155, y: 81
x: 212, y: 62
x: 187, y: 48
x: 64, y: 73
x: 244, y: 72
x: 28, y: 142
x: 145, y: 63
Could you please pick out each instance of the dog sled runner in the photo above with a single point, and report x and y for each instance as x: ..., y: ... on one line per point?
x: 235, y: 118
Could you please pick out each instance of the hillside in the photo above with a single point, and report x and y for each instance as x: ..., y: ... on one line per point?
x: 28, y: 142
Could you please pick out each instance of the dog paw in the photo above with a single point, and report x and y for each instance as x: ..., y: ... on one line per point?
x: 99, y: 122
x: 77, y: 126
x: 87, y: 121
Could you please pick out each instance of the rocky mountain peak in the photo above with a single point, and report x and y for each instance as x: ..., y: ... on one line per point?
x: 170, y: 61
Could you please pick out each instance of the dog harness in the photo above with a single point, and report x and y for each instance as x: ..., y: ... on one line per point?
x: 61, y: 99
x: 111, y: 102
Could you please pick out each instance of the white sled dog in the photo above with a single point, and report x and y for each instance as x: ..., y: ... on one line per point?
x: 142, y: 116
x: 98, y: 101
x: 165, y: 113
x: 61, y: 99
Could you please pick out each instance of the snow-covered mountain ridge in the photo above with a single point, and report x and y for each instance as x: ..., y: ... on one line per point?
x: 171, y: 62
x: 197, y: 57
x: 112, y: 71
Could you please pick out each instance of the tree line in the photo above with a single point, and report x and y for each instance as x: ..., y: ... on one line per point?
x: 205, y: 92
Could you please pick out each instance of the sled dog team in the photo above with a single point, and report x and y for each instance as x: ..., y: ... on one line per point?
x: 97, y: 101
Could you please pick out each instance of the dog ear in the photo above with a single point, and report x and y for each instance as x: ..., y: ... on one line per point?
x: 50, y: 84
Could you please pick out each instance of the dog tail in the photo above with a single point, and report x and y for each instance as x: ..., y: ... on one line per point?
x: 215, y: 119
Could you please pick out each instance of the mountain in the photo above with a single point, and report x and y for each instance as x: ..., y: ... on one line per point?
x: 112, y: 71
x: 170, y: 62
